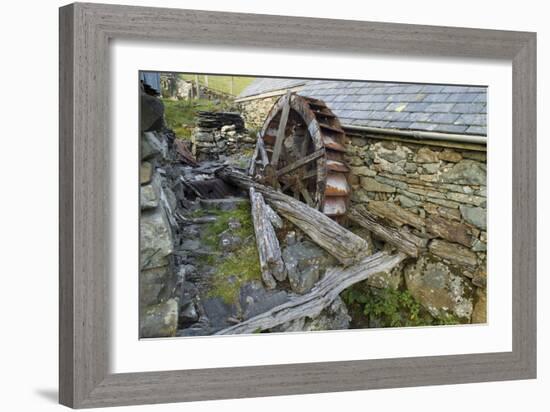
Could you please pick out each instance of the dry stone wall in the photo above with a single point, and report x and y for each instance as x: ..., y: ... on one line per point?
x: 220, y: 134
x: 439, y: 194
x: 255, y: 111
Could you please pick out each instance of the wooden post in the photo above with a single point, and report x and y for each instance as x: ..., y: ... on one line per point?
x: 198, y: 95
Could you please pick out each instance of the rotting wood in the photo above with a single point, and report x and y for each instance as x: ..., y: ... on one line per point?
x: 269, y: 251
x: 263, y: 153
x: 273, y: 217
x: 310, y: 305
x: 252, y: 167
x: 452, y: 231
x: 403, y: 240
x: 396, y: 214
x: 344, y: 245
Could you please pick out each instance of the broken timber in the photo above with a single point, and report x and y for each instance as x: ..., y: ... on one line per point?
x: 345, y: 246
x: 322, y: 295
x: 269, y: 252
x: 402, y: 239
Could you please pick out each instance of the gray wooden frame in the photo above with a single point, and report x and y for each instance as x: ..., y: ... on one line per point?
x: 85, y: 31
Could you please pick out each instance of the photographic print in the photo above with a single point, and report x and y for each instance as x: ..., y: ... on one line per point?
x: 278, y: 205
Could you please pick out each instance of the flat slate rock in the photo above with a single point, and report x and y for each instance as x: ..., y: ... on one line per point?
x: 255, y: 299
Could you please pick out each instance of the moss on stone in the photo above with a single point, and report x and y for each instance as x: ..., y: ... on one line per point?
x: 235, y: 270
x: 232, y: 270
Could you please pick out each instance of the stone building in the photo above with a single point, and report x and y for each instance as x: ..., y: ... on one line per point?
x: 417, y: 154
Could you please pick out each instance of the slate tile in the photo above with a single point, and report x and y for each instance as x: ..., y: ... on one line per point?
x: 468, y: 108
x: 436, y: 97
x: 472, y: 119
x: 417, y: 107
x: 477, y: 89
x: 418, y: 117
x: 364, y: 106
x: 480, y: 130
x: 432, y: 88
x: 398, y: 107
x: 376, y: 123
x: 367, y: 98
x: 443, y: 117
x: 461, y: 97
x: 379, y: 90
x: 377, y: 115
x: 399, y: 125
x: 396, y: 89
x: 422, y: 126
x: 413, y: 88
x: 450, y: 128
x: 378, y: 106
x: 455, y: 89
x: 439, y: 107
x: 481, y: 98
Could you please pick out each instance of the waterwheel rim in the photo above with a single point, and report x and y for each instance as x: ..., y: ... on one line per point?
x: 324, y: 176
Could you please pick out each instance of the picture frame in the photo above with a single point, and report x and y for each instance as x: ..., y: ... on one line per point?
x: 85, y: 33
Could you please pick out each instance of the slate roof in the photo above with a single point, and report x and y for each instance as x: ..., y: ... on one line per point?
x: 268, y: 84
x: 405, y: 106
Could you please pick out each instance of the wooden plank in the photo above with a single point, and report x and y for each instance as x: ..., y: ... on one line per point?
x: 269, y: 252
x: 301, y: 162
x: 281, y: 131
x: 403, y: 240
x: 310, y: 305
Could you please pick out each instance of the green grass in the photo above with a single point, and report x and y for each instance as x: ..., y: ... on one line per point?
x: 222, y: 83
x: 180, y: 114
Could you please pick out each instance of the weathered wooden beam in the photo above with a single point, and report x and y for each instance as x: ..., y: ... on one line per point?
x: 273, y: 217
x: 263, y: 153
x: 281, y: 131
x: 322, y: 295
x: 403, y: 240
x: 396, y: 214
x: 269, y: 252
x: 344, y: 245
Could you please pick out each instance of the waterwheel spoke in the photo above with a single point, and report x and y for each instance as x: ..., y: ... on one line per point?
x: 281, y: 131
x: 301, y: 162
x: 307, y: 197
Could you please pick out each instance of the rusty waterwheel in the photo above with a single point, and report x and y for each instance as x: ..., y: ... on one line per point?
x: 300, y: 152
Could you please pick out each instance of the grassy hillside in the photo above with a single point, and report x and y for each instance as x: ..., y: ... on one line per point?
x: 223, y: 83
x: 180, y: 114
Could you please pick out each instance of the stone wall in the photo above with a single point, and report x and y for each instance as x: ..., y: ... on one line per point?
x: 255, y: 111
x: 219, y: 134
x: 158, y: 279
x: 439, y: 194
